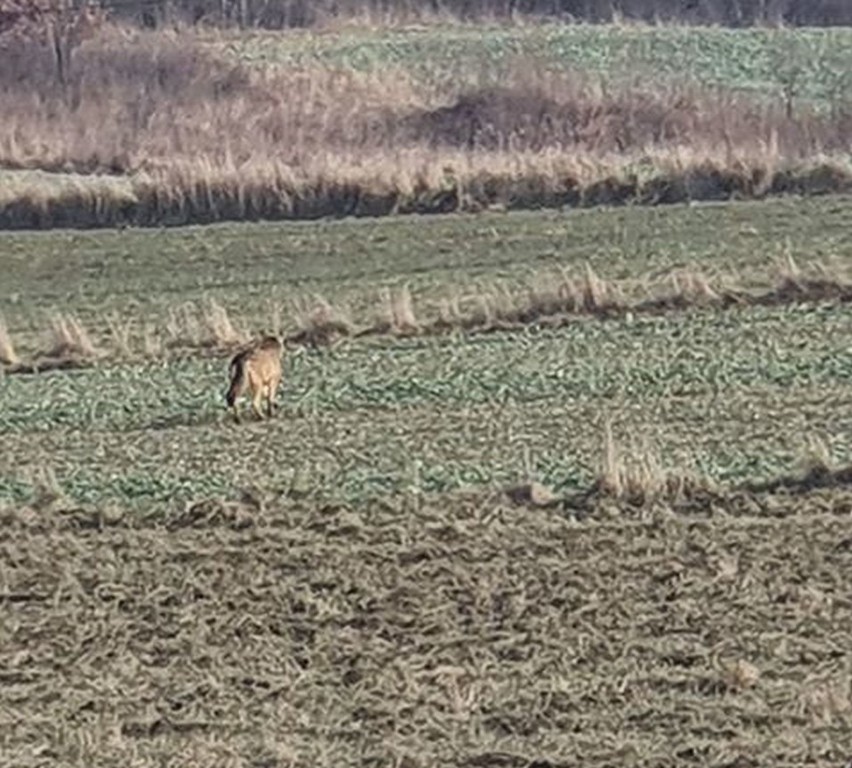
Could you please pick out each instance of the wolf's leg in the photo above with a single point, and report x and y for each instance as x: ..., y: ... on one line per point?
x: 237, y: 370
x: 271, y: 391
x: 256, y: 400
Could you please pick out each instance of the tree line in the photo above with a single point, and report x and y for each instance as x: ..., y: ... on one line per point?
x: 282, y: 14
x: 278, y: 14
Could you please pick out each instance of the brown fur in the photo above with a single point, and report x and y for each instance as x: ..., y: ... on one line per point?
x: 258, y: 370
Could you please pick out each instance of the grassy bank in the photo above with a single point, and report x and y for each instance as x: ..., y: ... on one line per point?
x: 167, y: 129
x: 465, y: 184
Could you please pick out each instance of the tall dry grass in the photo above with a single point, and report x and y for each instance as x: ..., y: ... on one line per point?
x: 8, y: 355
x: 636, y: 474
x: 153, y: 101
x: 551, y: 299
x: 68, y: 338
x: 205, y: 139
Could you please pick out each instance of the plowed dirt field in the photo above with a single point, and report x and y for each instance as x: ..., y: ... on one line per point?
x: 461, y: 631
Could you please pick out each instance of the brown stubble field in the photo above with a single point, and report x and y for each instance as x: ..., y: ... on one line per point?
x: 454, y: 631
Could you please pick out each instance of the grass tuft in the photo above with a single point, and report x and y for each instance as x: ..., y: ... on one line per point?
x: 68, y: 339
x: 598, y: 295
x: 693, y: 287
x: 789, y: 275
x: 221, y: 332
x: 637, y: 476
x: 182, y: 327
x: 121, y: 335
x: 816, y: 459
x: 47, y: 493
x: 321, y: 324
x: 152, y: 343
x: 8, y: 355
x: 400, y: 311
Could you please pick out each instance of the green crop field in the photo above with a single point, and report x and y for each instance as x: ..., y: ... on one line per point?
x: 815, y: 63
x: 349, y: 584
x: 251, y: 268
x: 442, y: 415
x: 737, y: 394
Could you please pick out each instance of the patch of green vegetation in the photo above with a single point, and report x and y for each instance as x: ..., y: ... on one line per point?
x: 735, y: 393
x: 761, y: 60
x: 253, y: 268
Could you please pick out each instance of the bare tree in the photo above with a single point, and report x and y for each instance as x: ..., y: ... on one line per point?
x: 61, y: 25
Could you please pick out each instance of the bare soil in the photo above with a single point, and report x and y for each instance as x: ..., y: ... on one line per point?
x: 461, y: 631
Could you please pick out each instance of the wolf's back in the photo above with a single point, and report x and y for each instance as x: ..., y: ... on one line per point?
x: 265, y: 358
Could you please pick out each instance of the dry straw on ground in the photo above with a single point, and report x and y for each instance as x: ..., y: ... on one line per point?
x: 120, y: 335
x: 635, y: 475
x: 399, y: 317
x: 495, y: 631
x: 67, y: 344
x: 207, y: 325
x: 559, y: 297
x: 320, y: 324
x: 220, y: 328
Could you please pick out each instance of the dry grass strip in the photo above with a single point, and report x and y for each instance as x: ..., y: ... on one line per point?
x: 559, y: 301
x: 550, y: 302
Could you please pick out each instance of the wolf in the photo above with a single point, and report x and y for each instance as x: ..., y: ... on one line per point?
x: 257, y: 368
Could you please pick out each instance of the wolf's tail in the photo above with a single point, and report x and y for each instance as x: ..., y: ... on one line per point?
x: 238, y: 372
